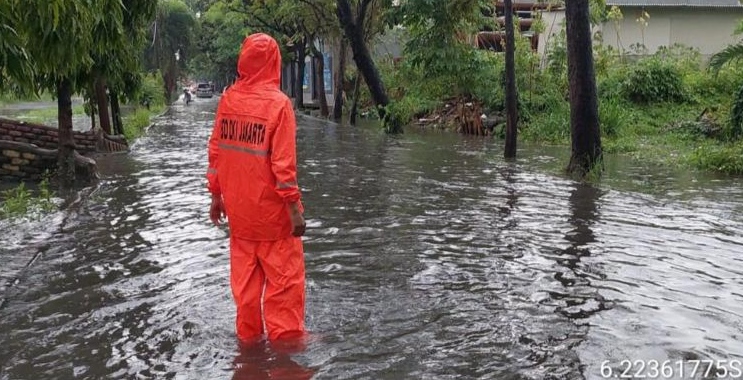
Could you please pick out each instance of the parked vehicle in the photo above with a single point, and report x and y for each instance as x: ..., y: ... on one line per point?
x: 204, y: 90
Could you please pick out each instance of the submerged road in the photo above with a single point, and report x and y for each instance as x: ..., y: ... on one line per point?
x: 427, y: 256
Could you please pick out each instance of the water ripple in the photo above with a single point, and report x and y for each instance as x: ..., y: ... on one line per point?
x: 426, y: 257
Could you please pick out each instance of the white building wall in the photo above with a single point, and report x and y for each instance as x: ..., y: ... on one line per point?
x: 708, y: 30
x: 553, y: 22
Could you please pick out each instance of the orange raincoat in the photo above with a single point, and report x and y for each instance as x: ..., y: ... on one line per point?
x: 252, y: 166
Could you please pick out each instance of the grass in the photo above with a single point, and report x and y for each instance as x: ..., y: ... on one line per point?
x: 136, y: 123
x: 643, y: 132
x: 20, y: 201
x: 45, y: 114
x: 6, y: 98
x: 649, y: 109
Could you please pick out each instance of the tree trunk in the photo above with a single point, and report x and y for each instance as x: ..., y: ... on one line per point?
x: 354, y: 31
x: 584, y: 113
x: 102, y: 101
x: 320, y: 74
x: 301, y: 55
x: 92, y: 119
x: 170, y: 78
x: 66, y: 141
x: 118, y: 124
x: 340, y: 75
x: 293, y: 80
x: 511, y: 94
x: 355, y: 105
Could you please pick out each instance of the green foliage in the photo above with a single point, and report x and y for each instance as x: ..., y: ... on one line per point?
x: 20, y: 201
x: 550, y: 123
x: 731, y: 54
x: 725, y: 158
x: 45, y: 115
x: 151, y: 90
x: 434, y: 27
x: 17, y: 201
x: 222, y: 32
x: 654, y: 80
x: 612, y: 117
x: 598, y: 11
x: 136, y: 123
x: 124, y: 38
x: 557, y: 57
x: 173, y: 42
x: 736, y: 115
x: 14, y: 60
x: 14, y: 97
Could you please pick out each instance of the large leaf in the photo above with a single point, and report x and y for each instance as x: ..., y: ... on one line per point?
x: 729, y: 54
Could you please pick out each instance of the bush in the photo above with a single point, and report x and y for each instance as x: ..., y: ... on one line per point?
x: 612, y: 117
x: 654, y: 80
x: 551, y: 126
x: 736, y: 116
x: 726, y: 158
x: 136, y: 123
x: 611, y: 85
x: 151, y: 90
x: 20, y: 201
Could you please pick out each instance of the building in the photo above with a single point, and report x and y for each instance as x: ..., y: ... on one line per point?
x: 706, y: 25
x: 527, y: 12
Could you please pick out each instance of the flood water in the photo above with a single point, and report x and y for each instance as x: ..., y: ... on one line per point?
x: 428, y: 257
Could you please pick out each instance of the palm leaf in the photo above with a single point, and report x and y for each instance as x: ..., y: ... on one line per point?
x: 727, y: 55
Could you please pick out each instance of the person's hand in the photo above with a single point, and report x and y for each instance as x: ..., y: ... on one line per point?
x: 295, y: 216
x: 216, y: 211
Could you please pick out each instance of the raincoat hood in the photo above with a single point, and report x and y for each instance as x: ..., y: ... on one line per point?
x: 260, y: 61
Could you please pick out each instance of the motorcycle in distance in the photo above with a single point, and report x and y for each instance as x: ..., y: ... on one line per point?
x: 186, y: 96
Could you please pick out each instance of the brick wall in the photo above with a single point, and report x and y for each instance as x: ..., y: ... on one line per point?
x: 22, y: 161
x: 27, y: 150
x: 43, y: 136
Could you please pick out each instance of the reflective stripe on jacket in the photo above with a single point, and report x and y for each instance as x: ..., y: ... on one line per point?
x: 252, y: 149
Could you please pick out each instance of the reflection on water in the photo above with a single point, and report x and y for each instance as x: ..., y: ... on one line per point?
x: 427, y: 257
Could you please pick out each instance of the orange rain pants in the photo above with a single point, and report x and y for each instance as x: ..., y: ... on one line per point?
x: 268, y: 278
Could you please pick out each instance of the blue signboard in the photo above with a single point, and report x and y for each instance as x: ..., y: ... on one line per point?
x: 327, y: 74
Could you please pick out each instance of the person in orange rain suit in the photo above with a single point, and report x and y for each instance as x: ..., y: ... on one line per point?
x: 252, y: 177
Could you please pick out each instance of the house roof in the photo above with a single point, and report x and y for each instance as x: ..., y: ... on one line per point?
x: 677, y: 3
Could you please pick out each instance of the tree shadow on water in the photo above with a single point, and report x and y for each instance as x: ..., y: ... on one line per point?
x: 583, y: 214
x: 581, y: 300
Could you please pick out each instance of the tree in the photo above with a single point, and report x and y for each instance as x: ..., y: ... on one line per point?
x: 59, y: 42
x: 172, y: 42
x: 354, y: 26
x: 285, y: 22
x: 731, y: 53
x: 222, y: 30
x: 320, y: 25
x: 15, y: 66
x: 340, y: 76
x: 584, y: 115
x: 66, y: 42
x: 511, y: 94
x: 127, y: 81
x: 441, y: 46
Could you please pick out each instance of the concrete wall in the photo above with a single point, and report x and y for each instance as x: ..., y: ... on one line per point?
x: 707, y: 29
